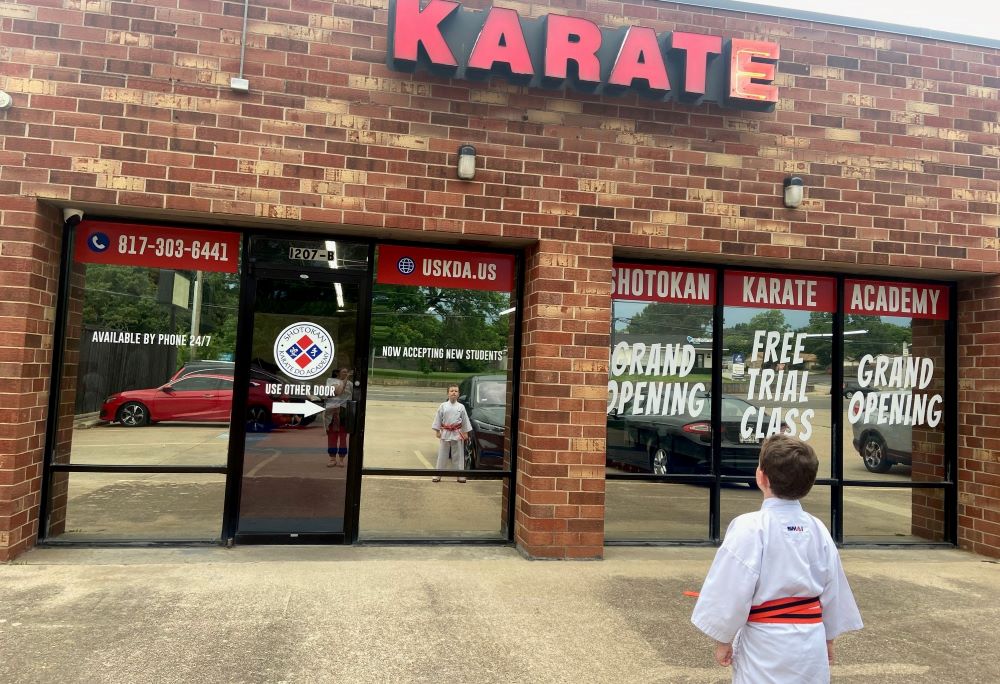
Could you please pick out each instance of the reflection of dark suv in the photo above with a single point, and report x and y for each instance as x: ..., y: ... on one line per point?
x: 666, y: 445
x: 484, y: 397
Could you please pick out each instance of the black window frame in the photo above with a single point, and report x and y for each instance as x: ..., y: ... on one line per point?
x: 509, y: 474
x: 836, y: 482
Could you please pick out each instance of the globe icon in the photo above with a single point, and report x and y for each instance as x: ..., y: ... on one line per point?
x: 406, y: 265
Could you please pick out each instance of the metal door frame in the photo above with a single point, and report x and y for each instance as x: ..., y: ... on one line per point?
x: 241, y: 378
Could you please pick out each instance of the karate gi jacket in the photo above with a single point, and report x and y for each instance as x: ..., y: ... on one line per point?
x: 775, y: 553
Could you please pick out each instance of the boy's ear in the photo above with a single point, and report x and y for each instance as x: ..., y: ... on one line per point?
x: 762, y: 481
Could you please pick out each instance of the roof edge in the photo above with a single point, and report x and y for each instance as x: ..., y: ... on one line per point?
x: 851, y: 22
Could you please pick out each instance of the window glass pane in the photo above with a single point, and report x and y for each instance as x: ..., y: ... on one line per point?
x: 894, y: 381
x: 777, y: 342
x: 428, y: 336
x: 417, y: 508
x: 659, y: 410
x: 655, y: 511
x: 737, y: 499
x: 133, y: 506
x: 893, y: 515
x: 296, y: 461
x: 147, y: 351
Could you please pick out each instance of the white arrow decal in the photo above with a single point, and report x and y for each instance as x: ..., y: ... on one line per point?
x: 306, y: 408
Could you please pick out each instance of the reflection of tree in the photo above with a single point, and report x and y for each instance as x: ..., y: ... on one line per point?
x: 820, y: 323
x: 661, y: 317
x: 881, y: 338
x: 127, y: 298
x: 220, y: 304
x: 123, y: 298
x: 738, y: 338
x: 440, y: 318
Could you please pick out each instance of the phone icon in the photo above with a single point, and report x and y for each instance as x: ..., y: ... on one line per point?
x: 98, y: 242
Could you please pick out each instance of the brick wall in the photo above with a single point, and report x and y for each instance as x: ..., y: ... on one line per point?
x: 566, y: 337
x: 979, y: 410
x: 30, y: 241
x: 124, y: 109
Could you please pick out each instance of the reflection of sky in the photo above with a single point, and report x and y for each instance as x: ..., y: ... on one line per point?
x: 743, y: 314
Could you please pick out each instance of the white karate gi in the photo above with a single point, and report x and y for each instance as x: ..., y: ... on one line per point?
x: 777, y: 552
x: 452, y: 445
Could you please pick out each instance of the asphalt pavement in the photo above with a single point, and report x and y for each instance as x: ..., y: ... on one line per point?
x: 451, y: 614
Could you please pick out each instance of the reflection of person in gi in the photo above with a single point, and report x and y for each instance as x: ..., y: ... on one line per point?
x: 776, y: 595
x: 451, y: 425
x: 337, y: 435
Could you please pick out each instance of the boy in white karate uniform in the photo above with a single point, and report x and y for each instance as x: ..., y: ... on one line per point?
x: 776, y: 595
x: 452, y: 427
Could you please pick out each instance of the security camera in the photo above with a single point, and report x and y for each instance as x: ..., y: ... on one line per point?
x: 72, y: 216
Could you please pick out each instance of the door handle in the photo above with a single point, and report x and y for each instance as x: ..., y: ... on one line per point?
x: 351, y: 415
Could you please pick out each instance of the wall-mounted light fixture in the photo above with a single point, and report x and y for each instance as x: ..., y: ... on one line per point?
x: 793, y: 192
x: 466, y: 162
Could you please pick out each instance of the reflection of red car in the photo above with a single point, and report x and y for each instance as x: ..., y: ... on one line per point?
x: 198, y: 397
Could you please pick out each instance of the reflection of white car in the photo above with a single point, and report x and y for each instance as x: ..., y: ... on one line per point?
x: 881, y: 446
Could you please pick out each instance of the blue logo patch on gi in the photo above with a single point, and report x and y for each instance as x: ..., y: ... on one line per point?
x: 795, y: 530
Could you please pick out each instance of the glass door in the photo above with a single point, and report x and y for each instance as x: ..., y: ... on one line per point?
x: 302, y: 447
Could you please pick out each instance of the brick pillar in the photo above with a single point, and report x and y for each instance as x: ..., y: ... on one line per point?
x: 561, y: 426
x: 927, y: 518
x: 979, y: 416
x: 30, y: 243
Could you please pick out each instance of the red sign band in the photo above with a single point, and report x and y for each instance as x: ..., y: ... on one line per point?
x: 673, y: 284
x: 780, y: 291
x: 426, y: 266
x: 128, y: 244
x: 907, y: 300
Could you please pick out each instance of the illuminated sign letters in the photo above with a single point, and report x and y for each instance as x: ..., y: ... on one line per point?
x: 556, y: 50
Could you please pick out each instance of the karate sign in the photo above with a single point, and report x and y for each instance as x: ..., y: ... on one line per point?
x: 907, y: 300
x: 671, y: 284
x: 780, y: 291
x: 128, y: 244
x: 424, y: 266
x: 553, y: 50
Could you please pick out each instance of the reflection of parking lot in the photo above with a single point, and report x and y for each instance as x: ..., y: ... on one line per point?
x: 156, y: 445
x: 398, y: 435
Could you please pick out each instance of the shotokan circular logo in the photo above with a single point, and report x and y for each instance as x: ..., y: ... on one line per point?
x: 303, y: 350
x: 406, y: 265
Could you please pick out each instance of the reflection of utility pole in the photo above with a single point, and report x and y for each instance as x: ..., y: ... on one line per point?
x: 196, y: 307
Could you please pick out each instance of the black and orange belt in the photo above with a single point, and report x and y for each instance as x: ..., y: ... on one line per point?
x: 796, y: 610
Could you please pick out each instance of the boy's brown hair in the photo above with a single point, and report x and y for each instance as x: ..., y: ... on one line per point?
x: 790, y: 465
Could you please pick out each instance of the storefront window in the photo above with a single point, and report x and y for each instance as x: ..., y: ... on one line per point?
x: 894, y: 380
x: 147, y: 381
x: 778, y: 343
x: 441, y: 326
x: 659, y: 405
x: 894, y: 405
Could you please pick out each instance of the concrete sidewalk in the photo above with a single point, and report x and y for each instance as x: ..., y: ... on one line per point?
x: 451, y: 614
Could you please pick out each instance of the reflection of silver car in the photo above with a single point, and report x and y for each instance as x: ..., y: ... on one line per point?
x: 881, y: 446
